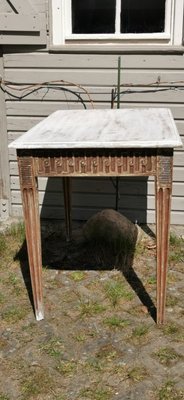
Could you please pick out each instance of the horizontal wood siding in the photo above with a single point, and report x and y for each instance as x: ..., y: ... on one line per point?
x: 98, y: 74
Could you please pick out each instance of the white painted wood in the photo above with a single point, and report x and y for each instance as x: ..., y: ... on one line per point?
x: 15, y: 111
x: 123, y: 128
x: 101, y: 71
x: 117, y: 18
x: 105, y: 186
x: 23, y: 6
x: 14, y: 22
x: 57, y: 21
x: 83, y: 214
x: 4, y: 162
x: 178, y: 24
x: 92, y: 61
x: 90, y: 77
x: 172, y: 34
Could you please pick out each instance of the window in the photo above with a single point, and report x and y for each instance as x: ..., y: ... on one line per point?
x: 138, y: 21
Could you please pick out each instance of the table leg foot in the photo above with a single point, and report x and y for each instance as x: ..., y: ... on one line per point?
x: 39, y: 313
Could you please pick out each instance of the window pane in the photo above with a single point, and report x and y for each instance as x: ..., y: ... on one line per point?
x: 93, y: 16
x: 142, y: 16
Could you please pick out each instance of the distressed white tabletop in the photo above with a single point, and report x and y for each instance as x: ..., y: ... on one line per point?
x: 122, y: 128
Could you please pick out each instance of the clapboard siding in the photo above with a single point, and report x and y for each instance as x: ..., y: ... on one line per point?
x: 128, y: 186
x: 98, y: 74
x: 99, y: 94
x: 54, y: 61
x: 107, y: 77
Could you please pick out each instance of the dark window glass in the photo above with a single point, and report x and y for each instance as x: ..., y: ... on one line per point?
x: 142, y: 16
x: 93, y: 16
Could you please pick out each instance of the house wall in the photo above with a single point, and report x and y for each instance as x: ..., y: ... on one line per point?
x: 97, y: 73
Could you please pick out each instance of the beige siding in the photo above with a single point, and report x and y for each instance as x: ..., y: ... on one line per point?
x: 98, y: 74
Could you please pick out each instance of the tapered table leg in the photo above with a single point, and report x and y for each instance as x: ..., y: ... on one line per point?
x: 163, y: 206
x: 32, y: 227
x: 68, y: 207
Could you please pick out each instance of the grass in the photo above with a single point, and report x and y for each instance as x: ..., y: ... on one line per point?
x: 171, y: 329
x: 80, y: 337
x: 167, y: 355
x: 2, y: 298
x: 10, y: 241
x: 169, y: 392
x: 99, y: 355
x: 77, y: 276
x: 171, y: 301
x: 152, y: 280
x: 116, y: 291
x: 95, y: 394
x: 90, y: 308
x: 14, y: 314
x: 107, y: 352
x: 53, y: 347
x: 3, y: 244
x: 66, y: 367
x: 137, y: 373
x: 17, y: 231
x: 116, y: 322
x: 139, y: 331
x: 94, y: 364
x: 176, y: 248
x: 4, y: 397
x: 35, y: 383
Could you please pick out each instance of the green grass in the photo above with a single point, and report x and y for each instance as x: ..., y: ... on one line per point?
x: 176, y: 253
x: 137, y: 373
x: 116, y: 322
x: 66, y: 367
x: 167, y: 355
x: 77, y: 276
x: 2, y: 298
x: 53, y: 347
x: 171, y: 301
x: 17, y: 231
x: 3, y: 244
x: 4, y: 397
x: 116, y: 291
x: 90, y: 308
x: 95, y: 394
x: 35, y: 383
x: 140, y: 330
x: 152, y: 280
x: 93, y: 363
x: 171, y: 329
x: 14, y: 314
x: 169, y: 392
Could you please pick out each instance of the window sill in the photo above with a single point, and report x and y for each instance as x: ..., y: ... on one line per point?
x: 116, y: 48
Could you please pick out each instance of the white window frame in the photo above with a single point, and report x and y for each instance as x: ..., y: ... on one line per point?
x: 62, y: 30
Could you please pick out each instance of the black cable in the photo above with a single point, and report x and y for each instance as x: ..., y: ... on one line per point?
x: 19, y: 98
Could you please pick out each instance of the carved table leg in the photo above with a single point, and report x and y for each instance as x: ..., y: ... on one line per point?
x: 163, y: 206
x: 68, y: 208
x: 29, y: 191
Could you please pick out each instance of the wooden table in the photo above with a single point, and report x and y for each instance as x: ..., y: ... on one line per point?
x: 85, y: 143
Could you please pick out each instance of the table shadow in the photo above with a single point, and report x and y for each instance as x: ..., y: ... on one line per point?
x: 77, y: 254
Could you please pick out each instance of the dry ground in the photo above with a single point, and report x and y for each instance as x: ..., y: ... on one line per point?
x: 99, y: 340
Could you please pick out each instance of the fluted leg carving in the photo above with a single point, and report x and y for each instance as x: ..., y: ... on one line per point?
x: 163, y: 206
x: 32, y: 228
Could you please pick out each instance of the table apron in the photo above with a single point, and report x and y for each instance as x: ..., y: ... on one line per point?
x: 121, y: 163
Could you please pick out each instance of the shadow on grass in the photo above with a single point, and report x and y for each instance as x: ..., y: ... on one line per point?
x: 77, y: 254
